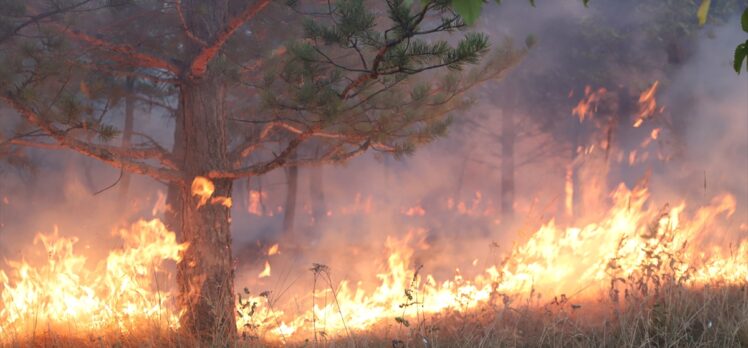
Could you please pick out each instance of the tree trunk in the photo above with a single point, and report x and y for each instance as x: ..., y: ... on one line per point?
x: 292, y: 184
x: 205, y: 275
x: 317, y: 194
x: 124, y: 183
x: 507, y: 164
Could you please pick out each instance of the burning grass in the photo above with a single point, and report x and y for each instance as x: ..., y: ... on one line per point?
x: 632, y: 255
x: 673, y: 316
x: 714, y: 316
x: 66, y: 296
x: 642, y: 274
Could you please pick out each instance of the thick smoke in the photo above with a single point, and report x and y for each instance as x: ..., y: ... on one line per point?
x: 711, y: 104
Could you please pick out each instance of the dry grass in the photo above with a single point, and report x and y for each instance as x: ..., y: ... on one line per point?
x: 671, y: 316
x: 675, y: 317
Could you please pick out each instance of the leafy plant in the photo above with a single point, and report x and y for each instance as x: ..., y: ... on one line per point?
x: 703, y: 11
x: 470, y: 10
x: 741, y: 52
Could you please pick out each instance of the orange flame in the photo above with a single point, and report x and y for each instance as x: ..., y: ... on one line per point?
x: 632, y: 237
x: 266, y: 271
x: 416, y: 210
x: 588, y: 105
x: 203, y: 188
x: 569, y: 191
x: 121, y: 293
x: 647, y: 104
x: 274, y: 249
x: 254, y: 205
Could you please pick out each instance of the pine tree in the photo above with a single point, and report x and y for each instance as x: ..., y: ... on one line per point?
x: 249, y: 94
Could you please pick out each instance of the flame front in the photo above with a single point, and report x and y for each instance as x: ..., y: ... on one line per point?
x: 123, y: 292
x: 634, y: 240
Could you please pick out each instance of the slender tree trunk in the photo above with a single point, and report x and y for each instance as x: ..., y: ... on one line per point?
x: 206, y: 273
x: 292, y: 184
x: 172, y: 220
x: 317, y: 193
x: 507, y: 164
x: 124, y: 183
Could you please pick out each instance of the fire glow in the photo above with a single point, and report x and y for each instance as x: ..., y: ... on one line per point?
x: 633, y: 236
x: 635, y: 239
x: 122, y: 292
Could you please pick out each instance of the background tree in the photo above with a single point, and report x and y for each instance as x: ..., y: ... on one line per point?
x: 649, y: 45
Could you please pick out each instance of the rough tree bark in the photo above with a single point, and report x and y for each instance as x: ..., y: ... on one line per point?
x: 205, y: 275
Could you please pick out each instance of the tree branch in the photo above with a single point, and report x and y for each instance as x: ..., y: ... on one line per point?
x: 156, y: 103
x: 185, y: 28
x: 38, y: 17
x: 28, y: 143
x: 116, y: 157
x: 199, y: 64
x: 333, y: 156
x: 117, y: 73
x: 260, y: 168
x: 374, y: 72
x: 246, y: 148
x: 119, y: 51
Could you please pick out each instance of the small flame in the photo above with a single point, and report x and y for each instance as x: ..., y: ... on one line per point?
x: 254, y: 205
x: 416, y: 210
x: 569, y: 191
x: 274, y: 249
x: 647, y: 104
x: 632, y: 157
x: 588, y: 105
x: 655, y: 133
x: 222, y: 200
x: 266, y: 271
x: 160, y: 206
x: 203, y: 188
